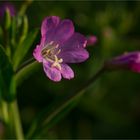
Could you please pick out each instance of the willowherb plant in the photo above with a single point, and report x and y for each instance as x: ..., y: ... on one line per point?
x: 60, y: 45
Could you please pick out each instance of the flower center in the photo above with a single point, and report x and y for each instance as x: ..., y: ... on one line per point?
x: 50, y: 52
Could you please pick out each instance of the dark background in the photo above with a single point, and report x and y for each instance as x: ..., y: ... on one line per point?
x: 111, y: 107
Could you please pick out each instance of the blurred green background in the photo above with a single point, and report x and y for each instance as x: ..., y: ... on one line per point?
x: 111, y: 107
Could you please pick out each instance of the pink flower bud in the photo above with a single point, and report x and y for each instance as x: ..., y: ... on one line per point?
x: 129, y: 61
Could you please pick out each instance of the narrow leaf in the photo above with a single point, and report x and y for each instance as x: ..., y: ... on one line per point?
x: 13, y: 32
x: 22, y: 49
x: 24, y: 29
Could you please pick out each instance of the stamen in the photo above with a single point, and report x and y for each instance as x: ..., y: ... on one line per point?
x: 48, y: 59
x: 57, y: 62
x: 58, y: 52
x: 50, y: 52
x: 60, y: 60
x: 51, y: 43
x: 57, y: 46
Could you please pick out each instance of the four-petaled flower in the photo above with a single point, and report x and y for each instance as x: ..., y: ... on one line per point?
x: 59, y: 46
x: 129, y: 61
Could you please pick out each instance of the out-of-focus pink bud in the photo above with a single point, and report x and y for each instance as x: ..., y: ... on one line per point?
x: 91, y: 40
x: 128, y: 61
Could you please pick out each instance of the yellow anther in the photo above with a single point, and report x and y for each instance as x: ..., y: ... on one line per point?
x: 60, y: 60
x: 50, y: 52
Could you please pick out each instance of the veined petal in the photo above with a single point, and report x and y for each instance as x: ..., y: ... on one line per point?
x: 37, y: 53
x: 53, y: 73
x: 73, y: 50
x: 66, y: 71
x: 53, y: 29
x: 63, y: 31
x: 77, y: 40
x: 49, y: 24
x: 74, y: 55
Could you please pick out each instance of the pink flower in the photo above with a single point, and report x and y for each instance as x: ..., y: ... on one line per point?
x: 59, y: 46
x: 91, y: 40
x: 129, y: 61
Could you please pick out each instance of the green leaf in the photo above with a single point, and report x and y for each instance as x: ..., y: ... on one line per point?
x: 7, y: 80
x: 22, y: 49
x: 13, y: 31
x: 20, y: 30
x: 24, y: 29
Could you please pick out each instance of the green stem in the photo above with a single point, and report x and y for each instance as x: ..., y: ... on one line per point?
x: 16, y: 120
x: 26, y: 63
x: 43, y: 121
x: 5, y: 111
x: 6, y: 118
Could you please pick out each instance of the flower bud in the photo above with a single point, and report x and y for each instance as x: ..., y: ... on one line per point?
x: 127, y: 61
x: 8, y: 6
x: 91, y: 40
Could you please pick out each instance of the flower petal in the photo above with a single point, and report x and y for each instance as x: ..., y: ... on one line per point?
x: 77, y: 40
x: 37, y: 53
x: 66, y: 71
x: 53, y: 73
x: 63, y: 31
x: 73, y: 50
x: 55, y: 30
x: 74, y: 56
x: 49, y: 24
